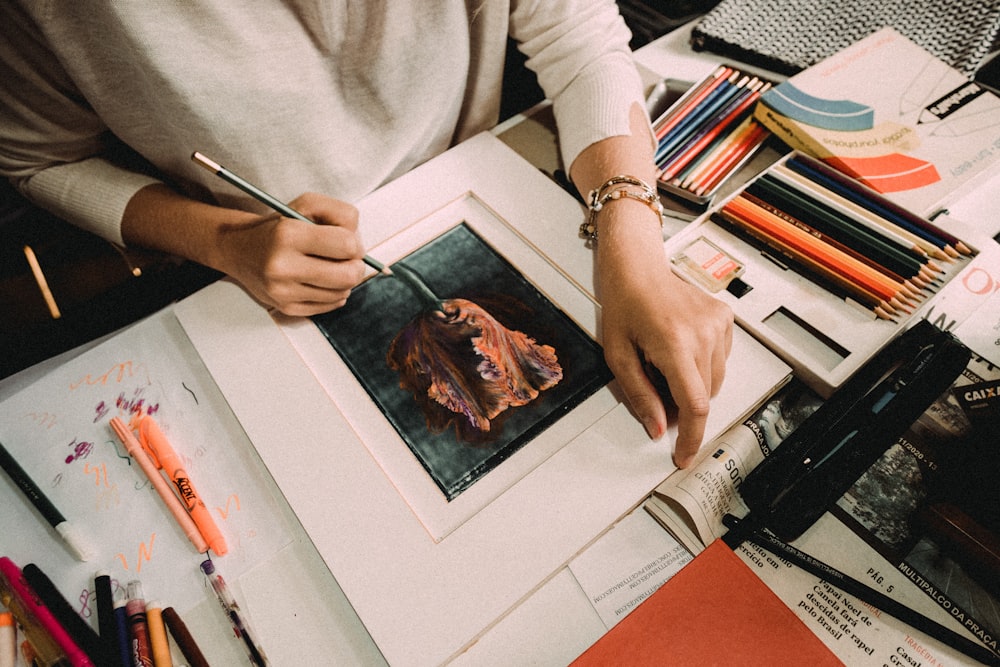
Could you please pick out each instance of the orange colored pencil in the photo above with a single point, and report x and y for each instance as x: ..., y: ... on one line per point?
x: 754, y: 135
x: 684, y: 159
x: 847, y: 250
x: 849, y: 289
x: 889, y: 290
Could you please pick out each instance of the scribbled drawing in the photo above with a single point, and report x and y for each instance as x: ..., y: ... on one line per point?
x: 145, y: 554
x: 44, y: 419
x: 231, y: 501
x: 116, y: 374
x: 467, y: 380
x: 80, y: 450
x: 190, y: 391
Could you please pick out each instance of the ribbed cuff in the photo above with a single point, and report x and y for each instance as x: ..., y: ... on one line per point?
x: 91, y: 194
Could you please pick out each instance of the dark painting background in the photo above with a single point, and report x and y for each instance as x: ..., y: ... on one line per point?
x: 459, y: 264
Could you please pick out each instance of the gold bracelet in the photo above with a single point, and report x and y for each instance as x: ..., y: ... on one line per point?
x: 615, y: 188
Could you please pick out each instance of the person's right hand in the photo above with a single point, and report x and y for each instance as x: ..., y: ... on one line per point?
x: 300, y: 269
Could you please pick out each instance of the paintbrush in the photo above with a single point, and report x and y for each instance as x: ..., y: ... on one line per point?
x: 263, y: 197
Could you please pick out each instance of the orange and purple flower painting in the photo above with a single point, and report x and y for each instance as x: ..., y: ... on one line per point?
x: 468, y: 379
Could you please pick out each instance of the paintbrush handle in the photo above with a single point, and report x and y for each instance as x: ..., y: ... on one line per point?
x: 263, y: 197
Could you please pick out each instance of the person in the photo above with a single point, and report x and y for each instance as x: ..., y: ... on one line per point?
x: 104, y: 102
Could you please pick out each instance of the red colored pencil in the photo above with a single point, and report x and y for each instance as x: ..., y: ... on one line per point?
x: 710, y: 83
x: 753, y: 135
x: 721, y: 126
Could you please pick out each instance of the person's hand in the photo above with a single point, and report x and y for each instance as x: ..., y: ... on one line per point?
x: 653, y: 320
x: 300, y: 269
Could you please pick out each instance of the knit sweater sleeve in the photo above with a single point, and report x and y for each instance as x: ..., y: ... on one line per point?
x: 579, y: 50
x: 51, y: 140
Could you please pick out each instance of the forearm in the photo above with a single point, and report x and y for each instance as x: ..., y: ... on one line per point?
x: 628, y: 226
x: 159, y: 218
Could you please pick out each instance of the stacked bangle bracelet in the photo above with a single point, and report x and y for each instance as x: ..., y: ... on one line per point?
x: 615, y: 188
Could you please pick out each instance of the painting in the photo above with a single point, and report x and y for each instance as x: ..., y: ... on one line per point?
x: 466, y: 359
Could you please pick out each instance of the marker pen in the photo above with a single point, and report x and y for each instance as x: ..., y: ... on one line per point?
x: 135, y: 611
x: 8, y: 640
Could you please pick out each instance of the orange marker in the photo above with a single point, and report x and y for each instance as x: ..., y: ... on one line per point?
x: 164, y: 457
x: 137, y: 452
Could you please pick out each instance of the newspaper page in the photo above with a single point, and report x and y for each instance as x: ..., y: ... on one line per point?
x: 921, y: 525
x: 691, y: 503
x: 930, y: 506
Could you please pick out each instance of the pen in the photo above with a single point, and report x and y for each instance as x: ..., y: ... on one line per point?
x: 264, y: 198
x: 72, y: 537
x: 107, y: 628
x: 136, y: 451
x: 38, y: 615
x: 183, y: 637
x: 8, y: 640
x: 121, y: 630
x: 135, y: 611
x: 158, y: 642
x: 78, y: 630
x: 232, y: 609
x: 163, y: 456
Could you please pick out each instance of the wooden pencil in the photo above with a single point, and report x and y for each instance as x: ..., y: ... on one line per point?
x: 756, y: 135
x: 738, y: 107
x: 673, y: 116
x: 847, y: 250
x: 868, y: 198
x: 798, y: 204
x: 689, y: 125
x: 879, y: 225
x: 808, y: 268
x: 889, y: 290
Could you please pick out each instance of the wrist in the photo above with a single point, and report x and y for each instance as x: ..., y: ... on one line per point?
x: 621, y: 192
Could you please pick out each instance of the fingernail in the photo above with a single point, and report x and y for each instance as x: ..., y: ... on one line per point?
x: 683, y: 462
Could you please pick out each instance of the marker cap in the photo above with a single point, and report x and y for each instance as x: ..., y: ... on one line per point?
x: 75, y: 540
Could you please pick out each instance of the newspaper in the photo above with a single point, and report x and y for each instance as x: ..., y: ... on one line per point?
x: 691, y: 503
x: 898, y: 529
x: 929, y: 506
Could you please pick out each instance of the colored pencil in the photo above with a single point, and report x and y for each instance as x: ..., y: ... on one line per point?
x: 877, y: 224
x: 755, y: 135
x: 673, y: 116
x: 799, y: 205
x: 773, y: 226
x: 817, y: 273
x: 858, y: 193
x: 739, y: 107
x: 847, y: 250
x: 712, y: 103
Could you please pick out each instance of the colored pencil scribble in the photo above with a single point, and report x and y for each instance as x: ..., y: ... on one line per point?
x: 465, y: 368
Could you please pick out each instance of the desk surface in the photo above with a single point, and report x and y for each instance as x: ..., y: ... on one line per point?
x: 295, y: 583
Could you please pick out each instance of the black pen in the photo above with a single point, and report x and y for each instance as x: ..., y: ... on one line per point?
x: 749, y: 530
x: 72, y: 537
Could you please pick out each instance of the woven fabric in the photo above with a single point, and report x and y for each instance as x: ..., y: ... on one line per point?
x: 786, y: 36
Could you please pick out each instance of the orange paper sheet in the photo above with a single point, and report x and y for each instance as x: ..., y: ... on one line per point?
x: 713, y: 612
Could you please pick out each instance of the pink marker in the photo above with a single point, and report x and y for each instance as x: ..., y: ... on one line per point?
x: 32, y: 603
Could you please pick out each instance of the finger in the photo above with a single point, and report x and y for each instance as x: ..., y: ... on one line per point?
x: 327, y: 211
x: 639, y: 391
x: 310, y: 308
x: 329, y: 274
x: 719, y: 356
x: 692, y: 399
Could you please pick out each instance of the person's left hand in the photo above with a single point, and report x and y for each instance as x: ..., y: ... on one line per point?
x: 651, y: 319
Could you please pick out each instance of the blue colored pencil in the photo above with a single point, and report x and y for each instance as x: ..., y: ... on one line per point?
x: 698, y: 116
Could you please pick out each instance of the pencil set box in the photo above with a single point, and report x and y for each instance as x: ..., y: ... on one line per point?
x: 708, y: 134
x: 822, y: 269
